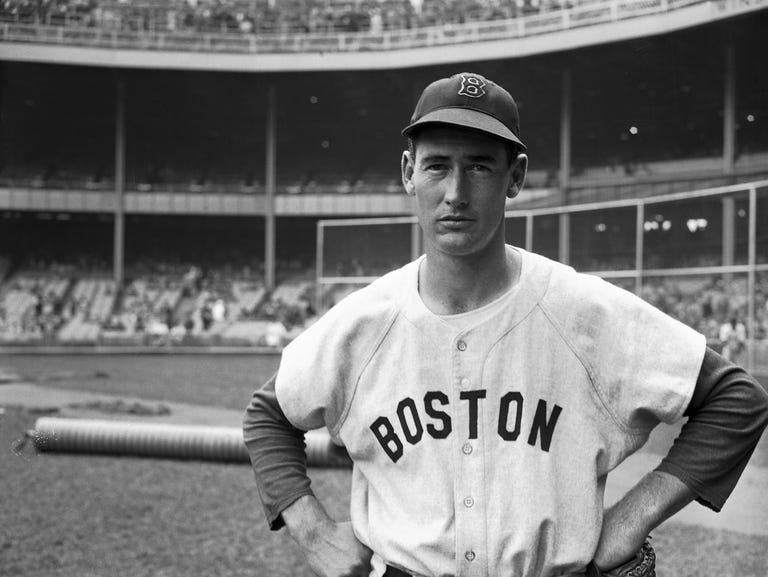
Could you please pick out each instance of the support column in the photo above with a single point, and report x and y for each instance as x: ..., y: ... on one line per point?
x: 565, y: 131
x: 118, y: 245
x: 269, y: 213
x: 729, y: 109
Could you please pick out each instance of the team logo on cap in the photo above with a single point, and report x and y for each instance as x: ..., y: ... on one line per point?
x: 472, y: 86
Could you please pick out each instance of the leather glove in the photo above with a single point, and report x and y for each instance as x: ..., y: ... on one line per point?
x: 643, y: 564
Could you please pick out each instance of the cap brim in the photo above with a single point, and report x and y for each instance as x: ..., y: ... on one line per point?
x: 466, y: 118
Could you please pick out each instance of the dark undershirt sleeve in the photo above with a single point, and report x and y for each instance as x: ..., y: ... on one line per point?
x: 277, y: 454
x: 726, y: 417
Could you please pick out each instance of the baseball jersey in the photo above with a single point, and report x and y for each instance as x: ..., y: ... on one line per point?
x: 485, y: 450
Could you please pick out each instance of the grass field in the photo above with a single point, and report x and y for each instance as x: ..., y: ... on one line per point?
x: 80, y: 515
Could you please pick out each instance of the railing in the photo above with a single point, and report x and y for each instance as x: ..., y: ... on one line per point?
x: 700, y: 169
x: 590, y: 14
x: 636, y: 243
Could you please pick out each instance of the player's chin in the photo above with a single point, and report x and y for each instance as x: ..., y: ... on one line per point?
x: 458, y: 244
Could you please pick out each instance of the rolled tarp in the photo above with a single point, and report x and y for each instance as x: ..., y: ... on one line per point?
x: 169, y: 441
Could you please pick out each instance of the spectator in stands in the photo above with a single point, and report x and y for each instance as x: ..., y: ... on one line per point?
x: 733, y: 337
x: 219, y: 310
x: 206, y: 316
x: 275, y: 334
x: 168, y: 317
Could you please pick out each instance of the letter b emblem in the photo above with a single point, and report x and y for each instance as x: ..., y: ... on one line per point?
x: 472, y: 86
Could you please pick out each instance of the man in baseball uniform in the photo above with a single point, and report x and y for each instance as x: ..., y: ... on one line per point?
x: 484, y: 393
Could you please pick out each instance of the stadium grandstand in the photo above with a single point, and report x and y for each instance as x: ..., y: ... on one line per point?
x: 192, y: 172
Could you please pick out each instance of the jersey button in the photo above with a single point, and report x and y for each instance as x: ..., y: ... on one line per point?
x: 469, y: 555
x: 461, y: 345
x: 468, y: 502
x: 465, y: 382
x: 466, y: 448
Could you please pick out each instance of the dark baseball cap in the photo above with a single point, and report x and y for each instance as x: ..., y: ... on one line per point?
x: 471, y: 101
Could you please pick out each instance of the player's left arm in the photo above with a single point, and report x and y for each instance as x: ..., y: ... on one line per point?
x: 654, y: 499
x: 726, y: 417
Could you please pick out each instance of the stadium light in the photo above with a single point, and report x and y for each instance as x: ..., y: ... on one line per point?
x: 696, y: 224
x: 633, y: 130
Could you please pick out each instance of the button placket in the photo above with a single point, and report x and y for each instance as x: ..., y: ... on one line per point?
x: 470, y: 512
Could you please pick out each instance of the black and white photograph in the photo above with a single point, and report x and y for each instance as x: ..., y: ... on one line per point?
x: 383, y: 288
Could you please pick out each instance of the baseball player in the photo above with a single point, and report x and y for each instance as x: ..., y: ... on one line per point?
x: 484, y: 392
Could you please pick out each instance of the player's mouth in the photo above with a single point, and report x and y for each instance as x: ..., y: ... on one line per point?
x: 455, y: 222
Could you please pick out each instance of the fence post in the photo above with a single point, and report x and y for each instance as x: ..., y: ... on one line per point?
x: 564, y: 238
x: 529, y: 232
x: 639, y: 245
x: 319, y: 268
x: 752, y: 260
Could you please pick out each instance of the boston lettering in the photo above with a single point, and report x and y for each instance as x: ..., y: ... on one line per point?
x: 410, y: 426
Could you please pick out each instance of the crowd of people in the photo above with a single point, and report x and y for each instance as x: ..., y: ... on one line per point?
x: 716, y: 306
x: 33, y: 308
x: 177, y: 304
x: 159, y: 304
x: 268, y: 16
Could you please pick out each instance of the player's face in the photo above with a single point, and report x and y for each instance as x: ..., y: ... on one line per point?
x: 461, y: 180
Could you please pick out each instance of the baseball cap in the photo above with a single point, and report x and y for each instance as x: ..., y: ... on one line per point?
x: 469, y: 100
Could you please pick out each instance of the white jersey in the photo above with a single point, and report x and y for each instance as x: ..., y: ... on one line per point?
x: 485, y: 451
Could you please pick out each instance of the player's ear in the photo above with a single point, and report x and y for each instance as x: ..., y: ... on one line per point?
x: 406, y: 169
x: 519, y: 170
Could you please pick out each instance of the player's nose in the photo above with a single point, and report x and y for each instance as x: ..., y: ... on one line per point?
x: 457, y: 189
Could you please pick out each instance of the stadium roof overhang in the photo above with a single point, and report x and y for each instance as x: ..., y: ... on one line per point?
x: 664, y: 22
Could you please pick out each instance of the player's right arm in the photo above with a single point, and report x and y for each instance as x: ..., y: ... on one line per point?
x: 330, y: 547
x: 276, y: 449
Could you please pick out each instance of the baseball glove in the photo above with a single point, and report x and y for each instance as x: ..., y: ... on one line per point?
x: 643, y: 564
